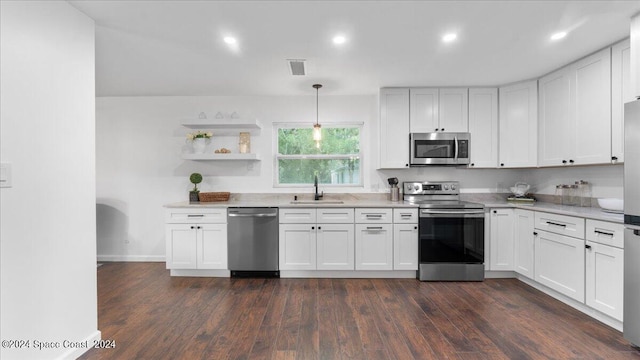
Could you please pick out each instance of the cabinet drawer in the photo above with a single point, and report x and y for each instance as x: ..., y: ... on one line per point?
x: 297, y: 216
x: 335, y: 216
x: 366, y: 215
x: 196, y: 216
x: 560, y: 224
x: 405, y: 216
x: 606, y: 233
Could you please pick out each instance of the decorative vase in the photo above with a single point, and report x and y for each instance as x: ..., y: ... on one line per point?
x: 199, y: 145
x: 193, y: 196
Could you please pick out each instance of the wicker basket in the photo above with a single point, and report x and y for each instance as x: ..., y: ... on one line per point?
x: 214, y: 196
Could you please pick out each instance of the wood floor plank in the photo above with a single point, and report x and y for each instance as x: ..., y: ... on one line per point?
x: 151, y: 315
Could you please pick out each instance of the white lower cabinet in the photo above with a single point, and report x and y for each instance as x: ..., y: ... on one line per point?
x: 405, y: 246
x: 335, y: 247
x: 559, y: 263
x: 297, y: 247
x: 501, y: 240
x: 374, y: 247
x: 524, y: 242
x: 196, y: 239
x: 604, y: 279
x: 196, y: 246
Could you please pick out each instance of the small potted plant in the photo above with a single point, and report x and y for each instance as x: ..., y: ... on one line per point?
x: 199, y: 140
x: 195, y: 179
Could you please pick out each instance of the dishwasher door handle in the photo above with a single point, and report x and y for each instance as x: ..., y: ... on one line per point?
x: 252, y: 215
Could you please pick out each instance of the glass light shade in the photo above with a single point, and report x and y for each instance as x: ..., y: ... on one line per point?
x: 317, y: 132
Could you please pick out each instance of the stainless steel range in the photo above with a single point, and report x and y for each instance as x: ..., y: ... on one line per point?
x: 451, y: 240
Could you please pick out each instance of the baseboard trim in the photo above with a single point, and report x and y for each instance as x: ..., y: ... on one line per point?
x: 200, y: 273
x: 499, y: 274
x: 131, y: 258
x: 74, y: 353
x: 603, y: 318
x: 349, y: 274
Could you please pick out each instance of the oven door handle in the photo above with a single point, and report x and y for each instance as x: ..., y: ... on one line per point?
x: 457, y: 213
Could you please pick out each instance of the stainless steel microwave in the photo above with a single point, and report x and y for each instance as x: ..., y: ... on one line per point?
x: 439, y: 148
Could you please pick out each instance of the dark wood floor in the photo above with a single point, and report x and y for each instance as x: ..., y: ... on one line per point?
x: 151, y: 315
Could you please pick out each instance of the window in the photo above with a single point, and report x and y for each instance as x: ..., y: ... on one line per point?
x: 335, y: 162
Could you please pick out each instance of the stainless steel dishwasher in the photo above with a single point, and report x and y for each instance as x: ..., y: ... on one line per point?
x: 253, y: 242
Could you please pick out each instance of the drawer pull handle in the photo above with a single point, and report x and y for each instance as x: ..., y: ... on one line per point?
x: 556, y: 224
x: 195, y: 215
x: 374, y: 215
x: 374, y: 227
x: 602, y: 233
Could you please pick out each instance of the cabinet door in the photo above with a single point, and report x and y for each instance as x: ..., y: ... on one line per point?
x: 592, y: 108
x: 335, y: 247
x: 524, y: 242
x: 620, y: 94
x: 424, y: 110
x: 394, y: 128
x: 605, y: 279
x: 297, y: 247
x: 483, y: 126
x: 557, y: 133
x: 212, y: 246
x: 454, y: 110
x: 181, y: 246
x: 374, y: 247
x: 501, y: 239
x: 405, y: 246
x: 518, y: 125
x: 635, y: 56
x: 559, y: 263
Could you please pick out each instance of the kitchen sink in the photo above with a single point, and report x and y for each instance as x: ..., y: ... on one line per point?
x: 307, y: 202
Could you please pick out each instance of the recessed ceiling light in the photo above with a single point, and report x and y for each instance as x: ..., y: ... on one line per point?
x: 558, y: 35
x: 339, y: 39
x: 449, y: 37
x: 230, y: 40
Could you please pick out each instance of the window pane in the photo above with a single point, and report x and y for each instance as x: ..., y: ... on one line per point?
x: 330, y: 171
x: 334, y: 141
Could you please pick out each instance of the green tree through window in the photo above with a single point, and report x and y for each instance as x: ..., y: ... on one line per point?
x: 335, y: 162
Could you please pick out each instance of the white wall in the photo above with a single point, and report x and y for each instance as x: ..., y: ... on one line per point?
x: 139, y: 167
x: 47, y: 127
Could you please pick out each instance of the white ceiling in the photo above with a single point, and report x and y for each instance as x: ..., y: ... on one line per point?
x: 176, y: 47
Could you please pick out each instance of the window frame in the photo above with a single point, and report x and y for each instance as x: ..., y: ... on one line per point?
x: 300, y: 125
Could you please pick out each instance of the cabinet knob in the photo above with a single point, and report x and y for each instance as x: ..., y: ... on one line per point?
x: 193, y: 227
x: 501, y: 164
x: 442, y: 129
x: 313, y: 228
x: 436, y: 129
x: 319, y: 228
x: 406, y: 165
x: 472, y: 164
x: 495, y: 211
x: 614, y: 158
x: 587, y: 247
x: 571, y: 161
x: 415, y: 228
x: 564, y: 161
x: 535, y: 233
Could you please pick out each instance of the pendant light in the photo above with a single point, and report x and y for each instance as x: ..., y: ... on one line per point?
x: 317, y: 128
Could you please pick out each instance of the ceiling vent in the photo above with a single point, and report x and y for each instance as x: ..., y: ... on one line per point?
x: 296, y: 66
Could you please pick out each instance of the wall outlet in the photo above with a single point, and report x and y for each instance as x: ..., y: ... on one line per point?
x: 6, y: 180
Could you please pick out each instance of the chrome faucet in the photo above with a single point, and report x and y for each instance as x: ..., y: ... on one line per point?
x: 315, y: 184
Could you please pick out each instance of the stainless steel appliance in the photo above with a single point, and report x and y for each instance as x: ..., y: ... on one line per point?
x: 439, y: 148
x: 631, y: 317
x: 252, y: 235
x: 451, y: 232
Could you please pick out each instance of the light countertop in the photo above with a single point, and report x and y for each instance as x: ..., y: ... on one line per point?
x: 377, y: 200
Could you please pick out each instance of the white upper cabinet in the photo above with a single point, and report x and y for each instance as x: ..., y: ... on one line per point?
x: 620, y: 94
x: 454, y: 109
x: 483, y: 126
x: 424, y: 110
x: 518, y: 125
x: 394, y: 128
x: 555, y: 125
x: 635, y: 56
x: 592, y: 84
x: 437, y: 110
x: 575, y: 113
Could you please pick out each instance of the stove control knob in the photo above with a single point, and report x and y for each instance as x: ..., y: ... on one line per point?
x: 446, y: 187
x: 453, y: 187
